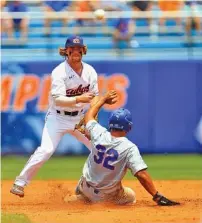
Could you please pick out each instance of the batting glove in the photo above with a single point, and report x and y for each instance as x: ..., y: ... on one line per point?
x: 163, y: 201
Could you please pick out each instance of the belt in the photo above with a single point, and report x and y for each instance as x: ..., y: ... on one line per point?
x: 73, y: 113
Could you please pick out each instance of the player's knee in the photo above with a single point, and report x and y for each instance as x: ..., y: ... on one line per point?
x: 131, y: 195
x: 46, y: 153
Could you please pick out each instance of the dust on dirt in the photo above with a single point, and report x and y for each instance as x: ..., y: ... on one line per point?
x: 44, y: 203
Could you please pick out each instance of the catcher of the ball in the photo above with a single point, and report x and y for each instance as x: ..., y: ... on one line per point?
x: 110, y: 98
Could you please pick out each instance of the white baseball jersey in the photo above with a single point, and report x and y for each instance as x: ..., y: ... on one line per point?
x: 66, y: 82
x: 110, y: 158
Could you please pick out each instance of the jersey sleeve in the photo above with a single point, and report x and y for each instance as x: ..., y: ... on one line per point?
x: 94, y: 84
x: 57, y: 84
x: 95, y: 130
x: 134, y: 160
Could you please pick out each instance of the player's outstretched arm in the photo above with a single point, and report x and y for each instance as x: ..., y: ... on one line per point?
x: 95, y: 100
x: 110, y: 97
x: 146, y: 181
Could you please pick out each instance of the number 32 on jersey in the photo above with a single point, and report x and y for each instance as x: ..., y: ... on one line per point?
x: 105, y: 157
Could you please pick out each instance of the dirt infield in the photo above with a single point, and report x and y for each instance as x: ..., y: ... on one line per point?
x: 44, y: 203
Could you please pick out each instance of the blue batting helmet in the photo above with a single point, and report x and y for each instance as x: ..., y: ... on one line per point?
x: 121, y: 119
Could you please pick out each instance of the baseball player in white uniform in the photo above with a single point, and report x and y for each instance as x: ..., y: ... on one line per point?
x: 111, y: 155
x: 74, y: 85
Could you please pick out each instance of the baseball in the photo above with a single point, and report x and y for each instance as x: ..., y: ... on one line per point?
x: 99, y: 14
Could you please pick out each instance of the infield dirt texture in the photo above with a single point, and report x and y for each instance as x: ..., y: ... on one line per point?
x: 178, y: 177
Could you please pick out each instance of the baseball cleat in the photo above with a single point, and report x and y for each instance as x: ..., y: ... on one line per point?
x: 17, y: 190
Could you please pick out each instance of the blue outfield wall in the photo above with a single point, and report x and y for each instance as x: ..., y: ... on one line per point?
x: 165, y: 98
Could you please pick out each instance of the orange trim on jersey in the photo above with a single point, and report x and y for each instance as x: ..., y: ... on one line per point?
x: 6, y: 89
x: 27, y: 90
x: 42, y: 104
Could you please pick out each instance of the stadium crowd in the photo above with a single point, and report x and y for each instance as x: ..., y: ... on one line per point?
x: 124, y: 28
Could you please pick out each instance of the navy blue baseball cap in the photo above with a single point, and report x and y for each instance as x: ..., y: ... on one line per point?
x: 74, y: 41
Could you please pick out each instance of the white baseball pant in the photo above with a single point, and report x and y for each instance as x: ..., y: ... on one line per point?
x: 119, y: 195
x: 55, y: 127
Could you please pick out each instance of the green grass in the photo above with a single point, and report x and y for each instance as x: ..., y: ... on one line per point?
x: 170, y: 167
x: 14, y: 218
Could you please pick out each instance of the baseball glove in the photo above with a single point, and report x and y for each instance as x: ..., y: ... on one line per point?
x: 81, y: 126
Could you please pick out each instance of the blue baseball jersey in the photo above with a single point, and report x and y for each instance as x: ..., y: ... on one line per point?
x: 110, y: 158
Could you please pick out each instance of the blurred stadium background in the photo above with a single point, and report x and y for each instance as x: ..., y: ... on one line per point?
x: 162, y: 29
x: 157, y: 69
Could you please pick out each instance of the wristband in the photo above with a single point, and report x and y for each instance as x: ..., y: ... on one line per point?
x: 157, y: 196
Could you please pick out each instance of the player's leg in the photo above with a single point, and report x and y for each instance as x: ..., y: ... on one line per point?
x: 82, y: 138
x: 84, y: 192
x: 50, y: 139
x: 24, y: 24
x: 126, y: 196
x: 64, y: 25
x: 78, y: 196
x: 47, y: 20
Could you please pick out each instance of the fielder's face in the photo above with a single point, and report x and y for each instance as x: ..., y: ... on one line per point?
x: 75, y: 53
